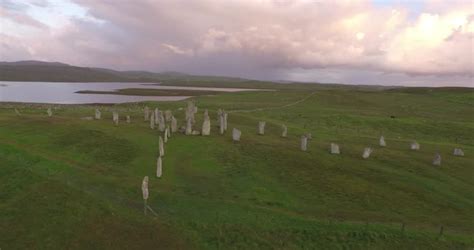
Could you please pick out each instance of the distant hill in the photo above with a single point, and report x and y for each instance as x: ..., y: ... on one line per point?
x: 61, y: 72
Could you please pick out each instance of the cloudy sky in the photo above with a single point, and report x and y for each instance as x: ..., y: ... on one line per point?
x: 412, y: 42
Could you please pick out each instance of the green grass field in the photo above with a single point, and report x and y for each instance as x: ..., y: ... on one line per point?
x: 67, y: 183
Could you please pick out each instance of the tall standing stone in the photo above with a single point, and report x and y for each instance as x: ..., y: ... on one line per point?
x: 165, y: 136
x: 157, y: 116
x: 219, y: 114
x: 169, y: 131
x: 98, y: 114
x: 159, y: 166
x: 458, y: 152
x: 49, y: 112
x: 236, y: 134
x: 206, y: 126
x: 190, y: 111
x: 261, y: 128
x: 335, y: 149
x: 174, y: 124
x: 225, y: 120
x: 115, y: 117
x: 304, y: 143
x: 152, y: 121
x: 145, y: 188
x: 206, y: 113
x: 382, y: 141
x: 128, y: 119
x: 284, y: 131
x: 437, y: 160
x: 189, y: 127
x: 161, y: 146
x: 161, y: 121
x: 367, y: 152
x: 414, y: 146
x: 146, y: 113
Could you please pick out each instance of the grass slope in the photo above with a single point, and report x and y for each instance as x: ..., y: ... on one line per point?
x: 72, y: 183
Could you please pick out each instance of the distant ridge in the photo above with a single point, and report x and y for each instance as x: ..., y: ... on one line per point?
x: 61, y: 72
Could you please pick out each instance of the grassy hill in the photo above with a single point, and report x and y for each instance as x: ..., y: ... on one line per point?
x: 73, y: 183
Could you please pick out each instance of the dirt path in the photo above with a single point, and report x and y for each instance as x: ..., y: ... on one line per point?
x: 279, y: 107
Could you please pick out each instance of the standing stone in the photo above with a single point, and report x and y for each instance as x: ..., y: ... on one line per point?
x: 195, y: 132
x: 284, y: 131
x: 382, y: 141
x: 189, y: 127
x: 145, y: 188
x: 335, y: 149
x: 17, y: 112
x: 225, y: 121
x: 458, y: 152
x: 261, y: 128
x: 236, y: 134
x: 152, y: 121
x: 165, y: 135
x: 128, y: 119
x: 174, y: 124
x: 367, y: 152
x: 159, y: 167
x: 98, y: 114
x: 206, y: 113
x: 221, y: 124
x: 168, y: 115
x: 50, y: 112
x: 157, y: 116
x: 206, y: 126
x: 161, y: 147
x: 161, y: 121
x: 146, y: 113
x: 115, y: 118
x: 415, y: 146
x: 437, y: 160
x: 190, y: 111
x: 304, y: 143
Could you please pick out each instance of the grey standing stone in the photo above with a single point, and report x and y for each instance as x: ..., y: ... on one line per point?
x: 284, y: 131
x: 190, y: 111
x: 174, y: 124
x: 206, y: 126
x: 219, y: 114
x: 161, y: 121
x: 189, y: 127
x: 145, y: 188
x: 236, y: 134
x: 382, y: 141
x: 367, y: 152
x: 195, y: 132
x: 261, y: 128
x: 437, y: 160
x: 115, y: 117
x: 304, y: 143
x: 165, y: 136
x: 335, y: 149
x: 49, y: 112
x: 161, y: 146
x: 159, y: 167
x: 146, y: 113
x: 157, y: 115
x: 458, y: 152
x: 225, y: 121
x: 206, y: 113
x: 98, y: 114
x: 128, y: 119
x: 414, y: 146
x: 152, y: 121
